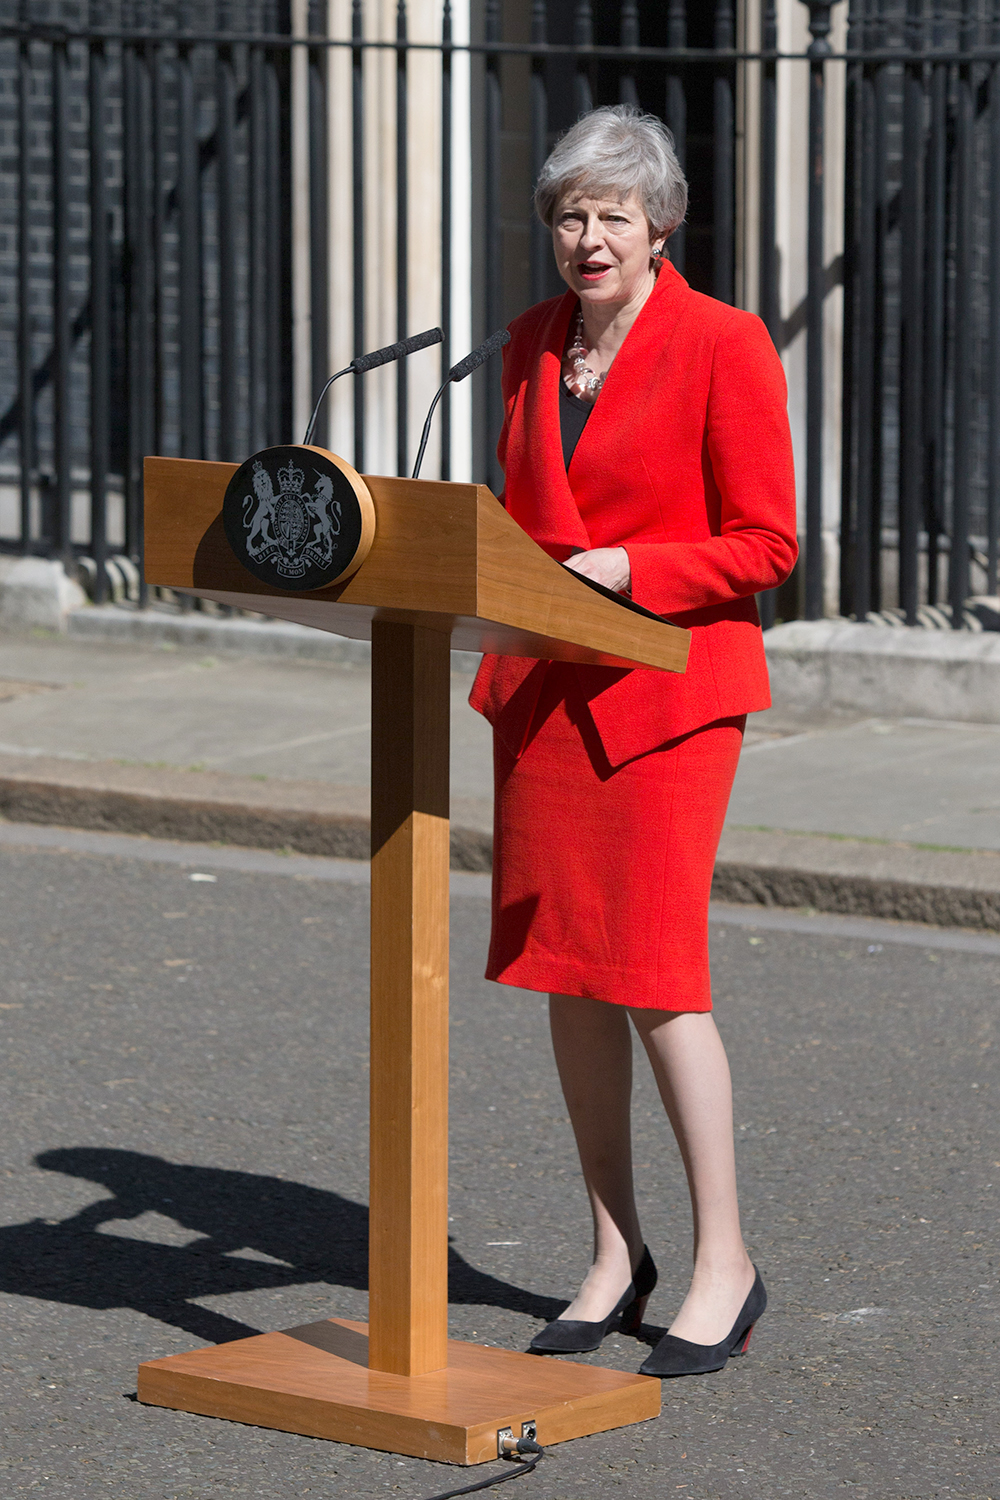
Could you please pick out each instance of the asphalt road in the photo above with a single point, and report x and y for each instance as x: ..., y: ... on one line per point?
x: 183, y: 1124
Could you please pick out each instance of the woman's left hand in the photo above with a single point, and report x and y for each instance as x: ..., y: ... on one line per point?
x: 607, y: 565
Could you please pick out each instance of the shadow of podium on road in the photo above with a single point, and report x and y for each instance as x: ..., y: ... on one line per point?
x: 310, y: 1235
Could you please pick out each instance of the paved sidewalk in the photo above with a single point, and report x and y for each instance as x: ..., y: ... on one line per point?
x: 886, y: 817
x: 897, y: 818
x: 921, y: 781
x: 266, y: 717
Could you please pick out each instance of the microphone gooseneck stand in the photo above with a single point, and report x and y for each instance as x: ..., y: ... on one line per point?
x: 492, y: 345
x: 372, y: 361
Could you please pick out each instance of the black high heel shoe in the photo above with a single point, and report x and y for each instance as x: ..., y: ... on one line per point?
x: 572, y: 1336
x: 674, y: 1356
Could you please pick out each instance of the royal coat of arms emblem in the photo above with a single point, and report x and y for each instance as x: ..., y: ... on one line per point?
x: 293, y: 518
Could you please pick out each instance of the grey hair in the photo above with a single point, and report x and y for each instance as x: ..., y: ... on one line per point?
x: 613, y: 152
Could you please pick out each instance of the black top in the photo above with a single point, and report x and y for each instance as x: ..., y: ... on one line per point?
x: 573, y: 414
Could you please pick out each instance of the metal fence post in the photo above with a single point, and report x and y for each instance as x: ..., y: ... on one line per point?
x: 768, y: 295
x: 628, y: 36
x: 100, y: 320
x: 402, y: 238
x: 25, y: 352
x: 225, y: 135
x: 61, y: 339
x: 493, y: 124
x: 358, y: 310
x: 446, y: 231
x: 723, y: 159
x: 190, y: 251
x: 676, y: 113
x: 935, y: 310
x: 319, y: 209
x: 965, y: 171
x: 993, y: 460
x: 583, y: 39
x: 850, y: 433
x: 541, y: 251
x: 911, y: 476
x: 769, y: 300
x: 819, y: 50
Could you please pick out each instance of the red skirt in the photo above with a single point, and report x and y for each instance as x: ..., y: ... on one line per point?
x: 602, y: 876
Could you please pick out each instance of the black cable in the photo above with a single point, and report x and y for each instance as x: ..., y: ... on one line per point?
x: 485, y: 1484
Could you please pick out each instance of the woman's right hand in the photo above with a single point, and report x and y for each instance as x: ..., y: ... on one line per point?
x: 606, y: 565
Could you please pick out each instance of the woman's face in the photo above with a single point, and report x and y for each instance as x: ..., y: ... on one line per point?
x: 603, y: 248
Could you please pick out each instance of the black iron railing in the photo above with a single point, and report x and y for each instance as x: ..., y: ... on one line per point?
x: 148, y: 240
x: 921, y: 414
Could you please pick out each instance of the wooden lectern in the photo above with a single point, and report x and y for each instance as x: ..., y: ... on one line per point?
x: 447, y: 568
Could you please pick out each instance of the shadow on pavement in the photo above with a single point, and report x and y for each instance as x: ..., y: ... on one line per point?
x: 309, y: 1234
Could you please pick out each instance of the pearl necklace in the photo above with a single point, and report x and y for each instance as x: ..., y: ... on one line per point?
x: 579, y: 377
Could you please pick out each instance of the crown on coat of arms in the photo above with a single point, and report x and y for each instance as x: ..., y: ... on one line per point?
x: 291, y: 479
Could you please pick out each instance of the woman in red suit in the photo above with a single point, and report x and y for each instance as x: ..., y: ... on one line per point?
x: 645, y: 443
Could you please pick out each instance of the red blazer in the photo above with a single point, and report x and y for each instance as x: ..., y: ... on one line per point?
x: 686, y: 461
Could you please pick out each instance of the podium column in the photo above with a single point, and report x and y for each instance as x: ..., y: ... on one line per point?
x: 408, y: 1223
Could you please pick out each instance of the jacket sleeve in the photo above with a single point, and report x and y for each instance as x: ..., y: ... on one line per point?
x: 749, y: 447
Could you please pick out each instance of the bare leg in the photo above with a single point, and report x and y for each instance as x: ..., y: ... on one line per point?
x: 593, y: 1048
x: 692, y: 1073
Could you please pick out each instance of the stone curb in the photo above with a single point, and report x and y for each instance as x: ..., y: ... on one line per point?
x: 851, y: 877
x: 836, y: 665
x: 898, y: 901
x: 208, y: 807
x: 859, y: 878
x: 36, y: 593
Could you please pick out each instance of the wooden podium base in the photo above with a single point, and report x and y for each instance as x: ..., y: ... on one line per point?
x: 315, y: 1380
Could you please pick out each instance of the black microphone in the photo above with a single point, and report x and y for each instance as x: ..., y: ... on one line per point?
x: 372, y: 361
x: 493, y: 345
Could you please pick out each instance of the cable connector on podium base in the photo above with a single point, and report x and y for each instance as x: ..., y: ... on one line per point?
x: 508, y: 1446
x: 524, y: 1451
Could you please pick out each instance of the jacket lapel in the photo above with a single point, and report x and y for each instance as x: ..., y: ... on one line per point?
x: 540, y: 498
x: 632, y: 369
